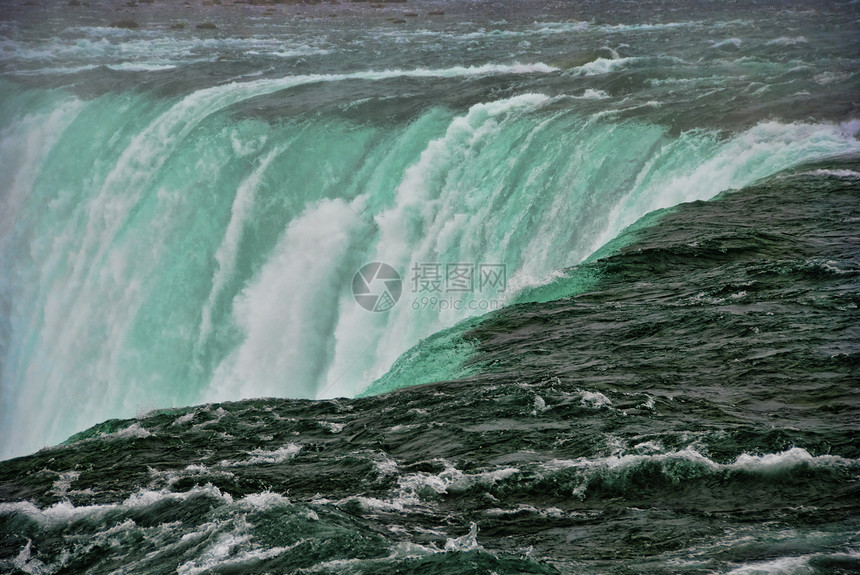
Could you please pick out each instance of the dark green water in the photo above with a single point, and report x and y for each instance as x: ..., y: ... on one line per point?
x: 664, y: 382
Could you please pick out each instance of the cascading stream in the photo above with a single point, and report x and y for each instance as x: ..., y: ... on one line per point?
x: 204, y: 256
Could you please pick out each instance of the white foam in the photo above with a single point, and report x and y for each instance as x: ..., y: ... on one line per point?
x: 132, y: 431
x: 760, y: 464
x: 450, y: 480
x: 259, y: 456
x: 140, y: 67
x: 400, y: 428
x: 375, y: 504
x: 794, y: 457
x: 782, y: 566
x: 594, y: 399
x: 829, y: 77
x: 170, y: 477
x: 29, y: 564
x: 649, y: 447
x: 592, y: 94
x: 183, y: 419
x: 553, y: 512
x: 224, y: 553
x: 60, y: 512
x: 787, y: 41
x: 735, y: 42
x: 650, y: 27
x: 602, y: 66
x: 407, y: 550
x: 141, y: 50
x: 848, y: 174
x: 148, y: 497
x: 219, y: 414
x: 64, y: 482
x: 135, y: 430
x: 467, y: 542
x: 650, y: 403
x: 332, y: 426
x: 263, y: 501
x: 385, y: 465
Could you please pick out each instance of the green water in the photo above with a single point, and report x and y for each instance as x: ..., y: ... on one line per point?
x: 645, y: 359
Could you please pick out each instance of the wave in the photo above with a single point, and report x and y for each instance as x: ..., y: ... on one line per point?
x: 733, y: 42
x: 627, y: 473
x: 787, y: 41
x: 661, y: 476
x: 602, y: 66
x: 221, y: 532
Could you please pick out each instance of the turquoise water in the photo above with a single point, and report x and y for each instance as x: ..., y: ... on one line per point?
x: 184, y: 209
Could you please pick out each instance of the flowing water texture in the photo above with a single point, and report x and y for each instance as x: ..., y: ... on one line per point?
x: 625, y: 235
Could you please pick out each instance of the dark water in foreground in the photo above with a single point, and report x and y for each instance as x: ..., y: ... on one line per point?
x: 695, y: 410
